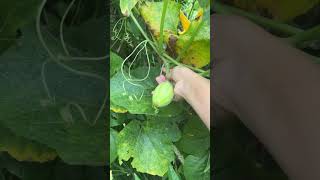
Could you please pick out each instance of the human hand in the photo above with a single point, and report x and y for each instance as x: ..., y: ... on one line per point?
x: 183, y: 78
x: 192, y: 87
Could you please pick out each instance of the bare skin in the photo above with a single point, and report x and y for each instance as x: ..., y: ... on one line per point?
x: 273, y: 88
x: 194, y: 89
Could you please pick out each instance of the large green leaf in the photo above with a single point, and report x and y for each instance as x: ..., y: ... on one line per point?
x: 152, y: 12
x: 14, y: 15
x: 53, y: 118
x: 196, y: 167
x: 136, y: 97
x: 149, y: 143
x: 23, y: 149
x: 195, y: 137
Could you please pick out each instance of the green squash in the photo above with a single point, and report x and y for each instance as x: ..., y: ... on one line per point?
x: 163, y: 94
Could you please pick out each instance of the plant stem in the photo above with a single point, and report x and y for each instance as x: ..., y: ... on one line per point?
x: 311, y: 34
x: 142, y: 31
x: 62, y: 65
x: 192, y: 7
x: 265, y: 22
x: 163, y: 16
x: 64, y: 46
x: 163, y: 56
x: 180, y: 64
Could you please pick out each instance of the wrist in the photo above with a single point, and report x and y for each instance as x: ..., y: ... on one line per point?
x: 182, y: 89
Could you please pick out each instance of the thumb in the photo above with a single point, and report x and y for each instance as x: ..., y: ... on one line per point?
x: 179, y: 73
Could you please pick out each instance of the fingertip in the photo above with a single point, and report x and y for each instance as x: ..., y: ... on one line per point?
x: 160, y: 79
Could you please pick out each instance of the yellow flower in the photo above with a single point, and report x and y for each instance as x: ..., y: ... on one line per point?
x: 185, y: 22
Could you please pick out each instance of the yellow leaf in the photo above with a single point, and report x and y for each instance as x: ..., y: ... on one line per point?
x: 118, y: 109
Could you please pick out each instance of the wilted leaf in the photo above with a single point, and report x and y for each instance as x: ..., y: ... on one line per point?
x: 198, y: 54
x: 152, y: 12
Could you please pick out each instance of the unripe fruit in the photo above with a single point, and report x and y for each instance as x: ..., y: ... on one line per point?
x: 163, y: 94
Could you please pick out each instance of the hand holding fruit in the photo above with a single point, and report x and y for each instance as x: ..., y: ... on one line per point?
x: 190, y: 86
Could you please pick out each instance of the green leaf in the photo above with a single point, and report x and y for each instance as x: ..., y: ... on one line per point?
x: 149, y: 143
x: 115, y: 63
x: 28, y: 111
x: 117, y: 119
x: 113, y: 122
x: 113, y: 145
x: 90, y: 37
x: 127, y: 5
x: 197, y: 167
x: 53, y: 170
x: 195, y: 137
x: 152, y: 12
x: 15, y: 15
x: 172, y: 175
x: 26, y: 170
x: 137, y: 97
x: 23, y: 149
x: 204, y: 3
x: 136, y: 177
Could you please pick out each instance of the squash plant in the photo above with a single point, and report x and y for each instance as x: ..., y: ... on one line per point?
x: 150, y: 136
x: 53, y: 56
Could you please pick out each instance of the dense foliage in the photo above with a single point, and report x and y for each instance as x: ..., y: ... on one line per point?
x: 53, y: 57
x: 149, y: 141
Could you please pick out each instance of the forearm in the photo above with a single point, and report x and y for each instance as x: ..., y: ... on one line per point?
x: 274, y: 89
x: 198, y: 96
